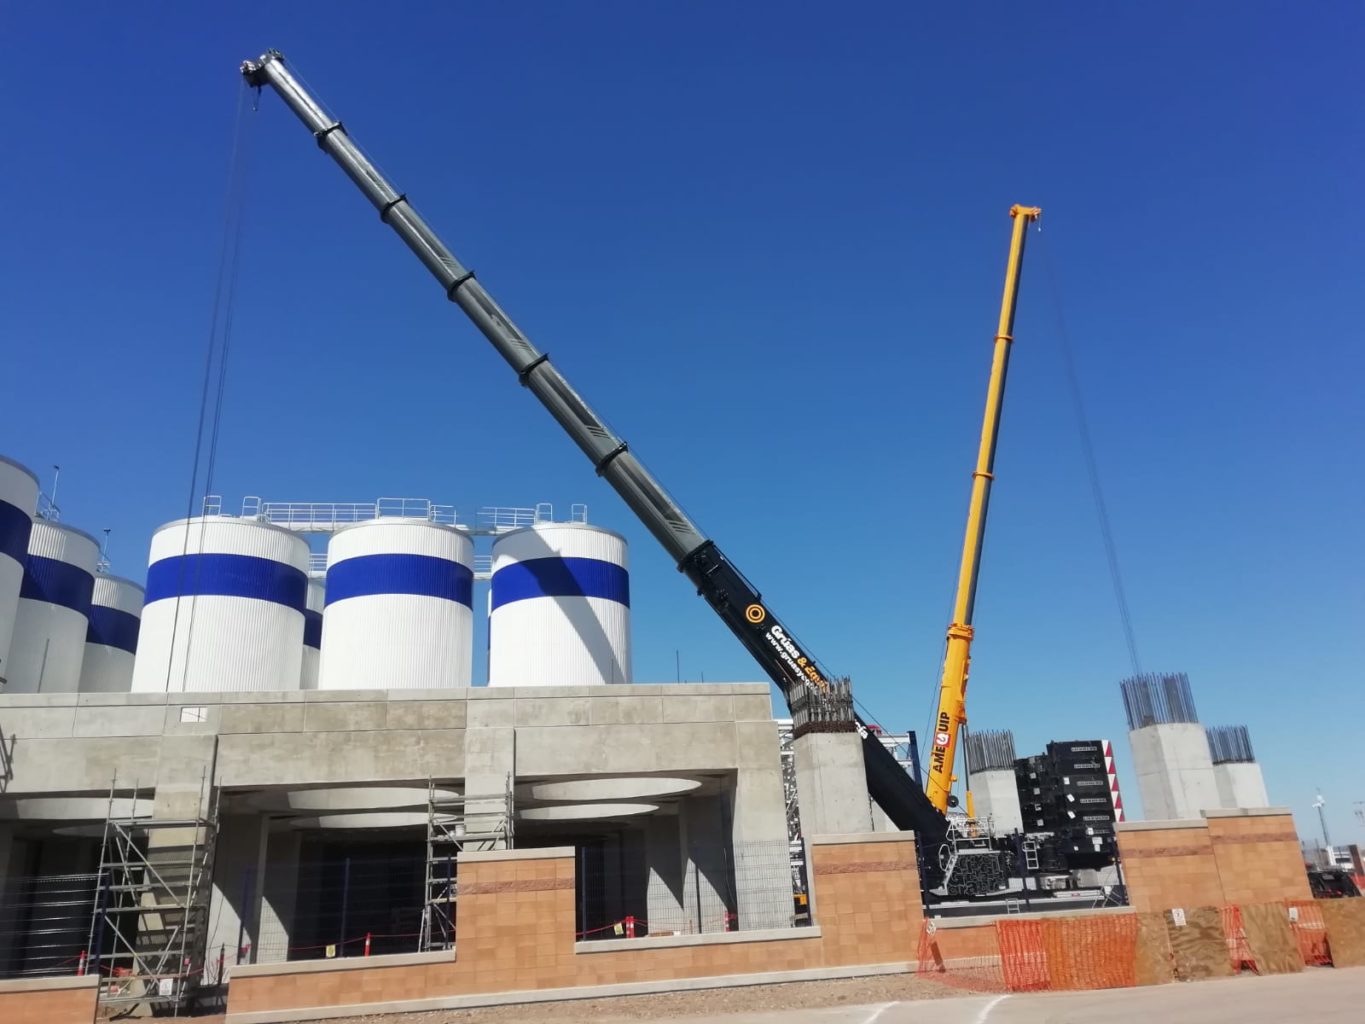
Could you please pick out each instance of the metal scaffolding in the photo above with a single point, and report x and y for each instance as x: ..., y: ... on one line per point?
x: 449, y: 834
x: 148, y: 929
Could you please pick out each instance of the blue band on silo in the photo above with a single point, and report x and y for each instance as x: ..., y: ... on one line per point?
x: 561, y: 577
x: 15, y: 527
x: 221, y: 575
x: 112, y: 627
x: 57, y: 582
x: 415, y: 575
x: 312, y: 628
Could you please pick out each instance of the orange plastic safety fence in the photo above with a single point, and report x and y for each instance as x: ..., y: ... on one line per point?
x: 1239, y: 952
x: 1023, y: 957
x: 1310, y: 931
x: 978, y: 971
x: 1091, y: 952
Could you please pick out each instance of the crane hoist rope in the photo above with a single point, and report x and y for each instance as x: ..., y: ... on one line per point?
x: 1073, y: 380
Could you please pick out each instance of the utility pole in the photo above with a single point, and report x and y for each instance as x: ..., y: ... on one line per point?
x: 1320, y: 803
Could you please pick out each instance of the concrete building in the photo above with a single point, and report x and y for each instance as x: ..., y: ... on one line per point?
x: 674, y: 793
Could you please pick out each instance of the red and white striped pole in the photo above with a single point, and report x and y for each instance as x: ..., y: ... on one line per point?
x: 630, y: 926
x: 367, y: 943
x: 80, y: 965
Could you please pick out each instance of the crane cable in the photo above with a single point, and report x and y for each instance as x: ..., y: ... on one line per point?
x: 214, y: 385
x: 1091, y: 464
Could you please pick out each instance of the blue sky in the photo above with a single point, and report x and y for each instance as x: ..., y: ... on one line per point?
x: 767, y: 243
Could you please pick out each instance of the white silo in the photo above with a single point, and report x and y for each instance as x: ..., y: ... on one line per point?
x: 224, y: 609
x: 398, y: 614
x: 18, y: 502
x: 54, y: 610
x: 560, y: 601
x: 312, y: 634
x: 111, y: 639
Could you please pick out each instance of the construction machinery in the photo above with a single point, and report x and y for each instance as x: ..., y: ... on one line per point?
x: 951, y: 719
x: 818, y: 700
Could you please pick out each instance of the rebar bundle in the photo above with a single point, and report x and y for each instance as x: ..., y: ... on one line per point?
x: 1158, y: 698
x: 1230, y: 744
x: 990, y: 750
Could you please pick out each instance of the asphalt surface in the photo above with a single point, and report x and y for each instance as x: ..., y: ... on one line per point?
x: 1315, y: 996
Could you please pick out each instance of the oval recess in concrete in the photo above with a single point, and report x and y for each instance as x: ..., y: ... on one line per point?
x: 377, y: 819
x: 628, y: 787
x: 585, y: 812
x: 345, y: 798
x: 73, y: 808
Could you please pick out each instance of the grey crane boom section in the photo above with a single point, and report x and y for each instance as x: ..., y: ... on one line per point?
x: 717, y: 580
x: 609, y: 454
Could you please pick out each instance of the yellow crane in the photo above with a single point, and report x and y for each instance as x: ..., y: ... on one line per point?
x: 952, y: 699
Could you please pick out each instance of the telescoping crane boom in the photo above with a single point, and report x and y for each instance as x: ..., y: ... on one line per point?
x: 952, y: 700
x: 786, y: 662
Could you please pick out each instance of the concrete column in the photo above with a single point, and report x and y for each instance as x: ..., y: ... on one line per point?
x: 831, y: 784
x: 1240, y: 784
x: 235, y: 903
x: 664, y: 864
x: 279, y: 895
x: 705, y: 881
x: 1174, y: 771
x: 995, y: 795
x: 490, y: 760
x: 761, y: 854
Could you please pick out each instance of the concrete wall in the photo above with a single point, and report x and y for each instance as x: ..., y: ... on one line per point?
x: 1174, y: 771
x: 76, y: 743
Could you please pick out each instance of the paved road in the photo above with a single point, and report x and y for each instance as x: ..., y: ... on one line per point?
x: 1314, y: 997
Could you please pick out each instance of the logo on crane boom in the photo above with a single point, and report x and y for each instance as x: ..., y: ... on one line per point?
x: 941, y: 738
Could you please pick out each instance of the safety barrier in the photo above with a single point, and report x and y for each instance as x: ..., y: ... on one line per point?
x: 1033, y: 954
x: 1310, y: 931
x: 1235, y: 933
x: 974, y: 972
x: 1023, y: 955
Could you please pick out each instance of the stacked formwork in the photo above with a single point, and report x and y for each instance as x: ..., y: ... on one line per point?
x: 1067, y: 792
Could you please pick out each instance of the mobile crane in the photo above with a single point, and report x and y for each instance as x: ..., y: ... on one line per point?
x: 951, y: 718
x: 802, y: 680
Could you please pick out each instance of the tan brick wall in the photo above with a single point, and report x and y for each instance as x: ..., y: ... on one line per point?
x: 1170, y: 867
x: 1258, y: 859
x: 515, y: 932
x: 1226, y: 860
x: 20, y: 1004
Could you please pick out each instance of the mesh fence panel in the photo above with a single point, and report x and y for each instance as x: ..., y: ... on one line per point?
x: 45, y: 924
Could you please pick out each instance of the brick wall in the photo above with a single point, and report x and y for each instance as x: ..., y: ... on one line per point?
x: 515, y: 933
x: 1258, y: 856
x: 1226, y: 857
x: 64, y: 1000
x: 1169, y: 864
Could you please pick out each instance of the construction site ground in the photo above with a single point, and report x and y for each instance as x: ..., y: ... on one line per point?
x: 1317, y: 995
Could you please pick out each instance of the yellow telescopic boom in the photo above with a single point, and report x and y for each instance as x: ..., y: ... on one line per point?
x: 952, y: 706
